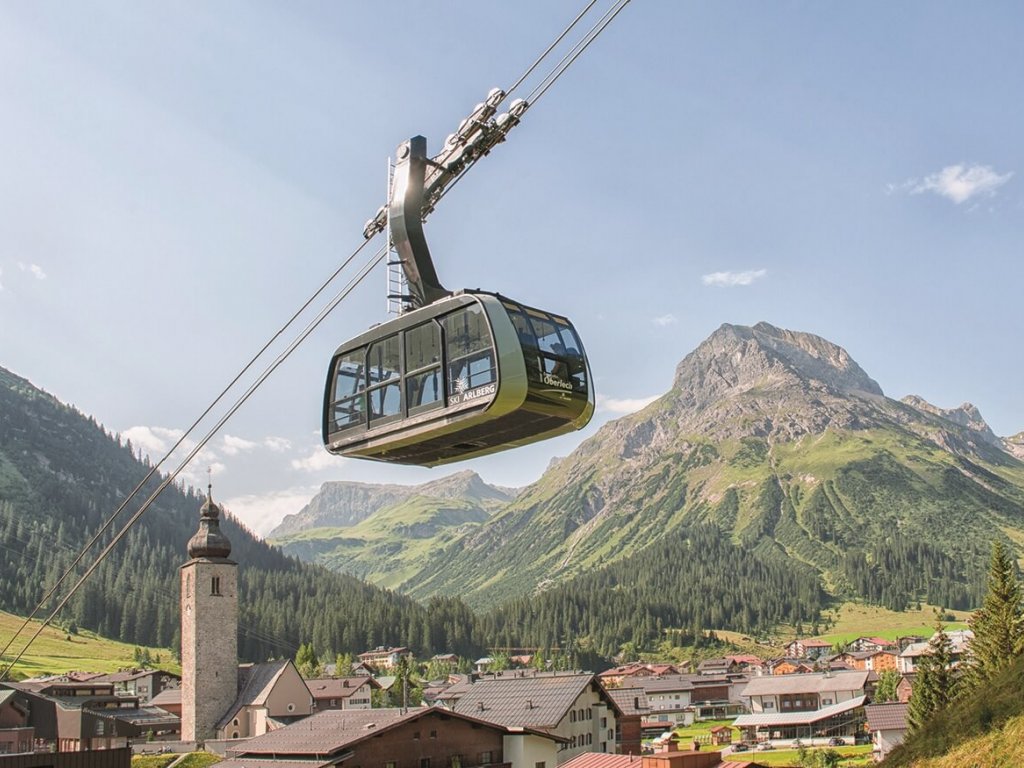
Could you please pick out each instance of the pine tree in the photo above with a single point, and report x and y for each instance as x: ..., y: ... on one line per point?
x: 935, y: 684
x: 998, y: 625
x: 886, y: 688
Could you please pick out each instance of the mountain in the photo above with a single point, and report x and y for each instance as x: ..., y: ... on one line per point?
x: 389, y: 545
x: 61, y: 475
x: 343, y: 504
x: 781, y: 440
x: 383, y: 533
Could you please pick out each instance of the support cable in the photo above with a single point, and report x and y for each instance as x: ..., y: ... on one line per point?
x: 313, y: 325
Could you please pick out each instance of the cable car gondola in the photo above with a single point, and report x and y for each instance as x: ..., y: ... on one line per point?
x: 461, y: 374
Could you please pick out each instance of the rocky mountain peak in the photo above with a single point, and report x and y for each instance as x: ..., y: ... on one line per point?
x: 737, y: 358
x: 966, y: 415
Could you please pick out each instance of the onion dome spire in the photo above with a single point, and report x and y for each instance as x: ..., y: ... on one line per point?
x: 209, y: 541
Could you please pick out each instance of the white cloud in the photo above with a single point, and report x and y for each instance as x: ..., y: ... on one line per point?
x: 262, y: 512
x: 665, y: 320
x: 318, y: 460
x: 623, y: 406
x: 960, y: 183
x: 232, y: 445
x: 34, y: 269
x: 154, y: 441
x: 731, y: 279
x: 277, y: 444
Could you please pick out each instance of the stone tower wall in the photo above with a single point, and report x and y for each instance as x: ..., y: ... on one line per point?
x: 209, y: 645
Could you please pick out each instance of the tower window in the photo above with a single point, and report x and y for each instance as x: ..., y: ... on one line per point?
x: 215, y: 585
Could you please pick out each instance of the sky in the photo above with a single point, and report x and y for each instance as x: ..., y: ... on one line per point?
x: 176, y: 179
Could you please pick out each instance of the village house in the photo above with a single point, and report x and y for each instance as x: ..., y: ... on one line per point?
x: 270, y: 694
x: 144, y: 683
x: 429, y: 737
x: 381, y: 657
x: 341, y: 692
x: 612, y: 677
x: 905, y: 687
x: 808, y: 649
x: 72, y: 717
x: 571, y: 706
x: 632, y: 707
x: 887, y: 724
x: 684, y: 698
x: 809, y: 706
x: 873, y: 660
x: 862, y: 644
x: 959, y: 642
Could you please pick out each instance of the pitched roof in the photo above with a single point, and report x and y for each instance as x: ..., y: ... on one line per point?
x: 806, y: 683
x: 601, y: 760
x: 811, y: 643
x: 891, y: 716
x: 539, y: 701
x: 255, y: 682
x: 678, y: 682
x: 249, y: 762
x: 167, y: 697
x: 798, y: 718
x: 328, y: 733
x: 629, y: 701
x: 336, y: 687
x: 125, y: 675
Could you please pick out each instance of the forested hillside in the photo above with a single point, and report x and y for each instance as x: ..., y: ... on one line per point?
x: 692, y: 580
x: 61, y: 475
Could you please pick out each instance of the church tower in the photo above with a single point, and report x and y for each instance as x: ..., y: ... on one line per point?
x: 209, y: 628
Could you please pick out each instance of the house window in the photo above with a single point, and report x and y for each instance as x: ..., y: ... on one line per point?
x: 234, y: 734
x: 572, y: 743
x: 416, y: 735
x: 424, y: 762
x: 572, y: 716
x: 604, y: 722
x: 334, y: 703
x: 389, y: 764
x: 235, y: 723
x: 769, y: 705
x: 215, y: 585
x: 485, y: 758
x: 539, y: 765
x: 826, y: 702
x: 455, y: 761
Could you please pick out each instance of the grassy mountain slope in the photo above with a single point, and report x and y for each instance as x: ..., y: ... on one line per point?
x: 58, y: 651
x: 784, y: 442
x: 983, y: 730
x: 390, y: 545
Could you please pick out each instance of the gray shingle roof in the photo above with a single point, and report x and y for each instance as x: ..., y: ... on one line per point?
x: 337, y: 687
x: 887, y: 717
x: 332, y: 731
x: 533, y: 702
x: 805, y: 683
x: 629, y: 701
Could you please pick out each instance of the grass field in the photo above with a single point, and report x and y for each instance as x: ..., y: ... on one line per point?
x: 153, y: 761
x: 850, y: 757
x: 856, y: 619
x: 55, y: 651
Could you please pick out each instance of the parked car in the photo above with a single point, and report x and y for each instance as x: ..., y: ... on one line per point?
x: 837, y: 741
x: 764, y: 746
x: 740, y: 747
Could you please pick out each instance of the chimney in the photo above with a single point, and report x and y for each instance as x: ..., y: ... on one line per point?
x: 479, y: 706
x: 529, y: 703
